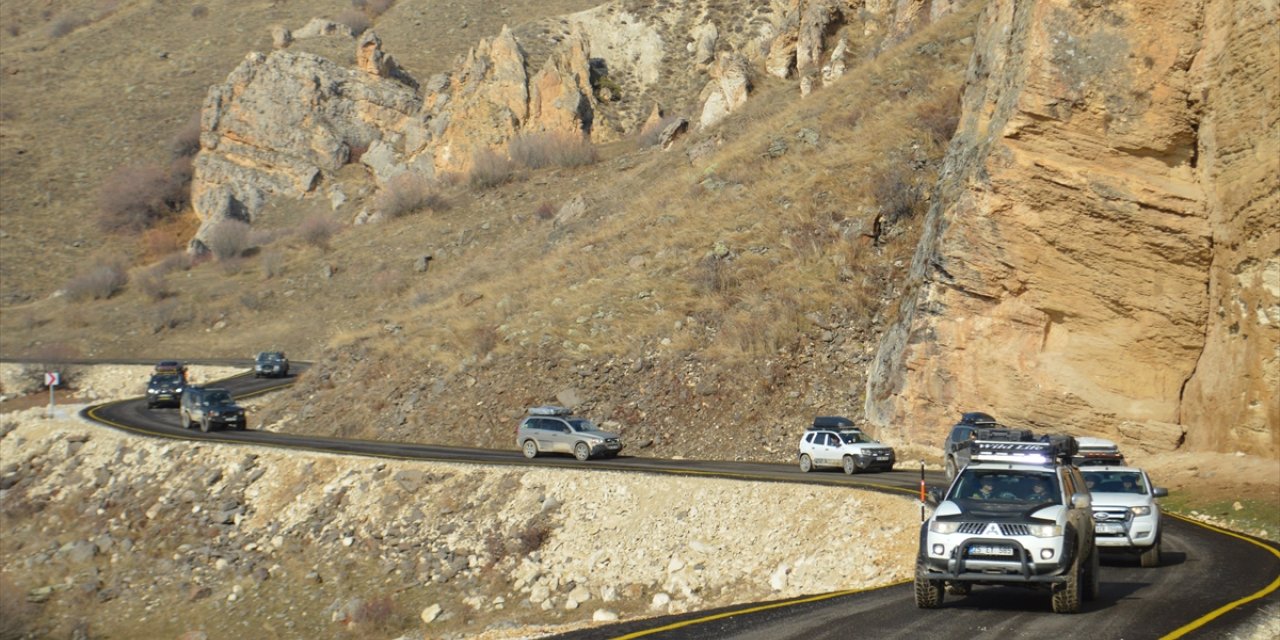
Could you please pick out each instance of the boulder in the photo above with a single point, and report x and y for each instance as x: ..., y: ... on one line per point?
x: 728, y: 89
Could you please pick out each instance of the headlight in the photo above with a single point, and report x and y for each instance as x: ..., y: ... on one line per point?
x: 215, y: 413
x: 939, y: 526
x: 152, y: 391
x: 1141, y: 511
x: 1045, y: 530
x: 178, y: 390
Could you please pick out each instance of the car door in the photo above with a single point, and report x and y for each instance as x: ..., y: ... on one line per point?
x: 560, y: 436
x: 829, y: 449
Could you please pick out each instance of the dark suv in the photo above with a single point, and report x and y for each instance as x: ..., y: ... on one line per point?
x: 955, y: 450
x: 270, y: 364
x: 164, y: 389
x: 211, y: 407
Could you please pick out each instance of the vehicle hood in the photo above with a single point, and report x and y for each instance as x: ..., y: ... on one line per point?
x: 1109, y: 499
x: 865, y: 447
x: 970, y: 509
x: 600, y: 435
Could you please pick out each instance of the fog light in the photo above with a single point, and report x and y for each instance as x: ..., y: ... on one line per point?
x: 937, y: 549
x: 1046, y: 554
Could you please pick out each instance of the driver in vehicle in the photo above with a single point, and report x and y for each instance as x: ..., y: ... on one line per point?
x: 987, y: 492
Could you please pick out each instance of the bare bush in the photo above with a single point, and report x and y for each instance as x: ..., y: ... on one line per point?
x: 153, y: 284
x: 100, y: 281
x: 940, y: 116
x: 159, y: 242
x: 186, y: 140
x: 66, y: 24
x: 317, y: 230
x: 545, y: 149
x: 897, y: 196
x: 228, y: 239
x: 489, y: 169
x: 355, y: 20
x: 373, y: 8
x: 199, y: 12
x: 408, y: 192
x: 377, y: 613
x: 168, y: 315
x: 272, y: 264
x: 179, y: 261
x: 545, y: 211
x: 135, y: 196
x: 714, y: 275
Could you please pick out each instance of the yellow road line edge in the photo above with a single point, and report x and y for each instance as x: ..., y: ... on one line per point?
x: 1216, y: 613
x: 738, y: 612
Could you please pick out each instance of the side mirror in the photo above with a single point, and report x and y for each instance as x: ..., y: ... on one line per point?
x: 1160, y: 492
x: 1081, y: 501
x: 933, y: 497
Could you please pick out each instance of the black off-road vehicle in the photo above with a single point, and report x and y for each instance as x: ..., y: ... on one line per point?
x: 210, y: 408
x: 164, y: 389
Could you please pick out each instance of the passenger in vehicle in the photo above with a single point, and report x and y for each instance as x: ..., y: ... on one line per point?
x: 986, y: 492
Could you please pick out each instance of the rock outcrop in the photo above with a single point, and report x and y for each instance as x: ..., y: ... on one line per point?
x: 726, y: 91
x: 281, y: 122
x: 1096, y: 259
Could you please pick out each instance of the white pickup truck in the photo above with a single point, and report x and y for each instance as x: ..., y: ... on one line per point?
x: 1125, y: 512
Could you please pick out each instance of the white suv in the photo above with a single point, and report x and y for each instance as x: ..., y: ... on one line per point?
x: 1018, y: 514
x: 1125, y: 509
x: 832, y: 441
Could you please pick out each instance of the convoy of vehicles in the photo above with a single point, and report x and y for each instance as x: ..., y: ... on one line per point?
x: 1018, y: 514
x: 833, y: 442
x: 551, y: 429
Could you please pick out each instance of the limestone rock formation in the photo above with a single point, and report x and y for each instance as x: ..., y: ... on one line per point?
x: 728, y: 89
x: 1097, y: 189
x: 282, y: 121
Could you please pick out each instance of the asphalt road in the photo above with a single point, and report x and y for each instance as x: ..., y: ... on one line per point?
x: 1209, y: 583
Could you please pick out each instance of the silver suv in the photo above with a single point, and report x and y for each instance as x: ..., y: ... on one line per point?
x: 557, y: 430
x: 1018, y: 514
x: 210, y: 407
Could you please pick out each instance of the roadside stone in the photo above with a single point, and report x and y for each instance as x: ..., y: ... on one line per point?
x: 660, y: 601
x: 604, y: 615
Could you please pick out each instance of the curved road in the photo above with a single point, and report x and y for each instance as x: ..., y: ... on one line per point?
x: 1210, y: 582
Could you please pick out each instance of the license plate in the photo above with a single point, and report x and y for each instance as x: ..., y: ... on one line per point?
x: 1109, y: 527
x: 990, y: 550
x: 882, y: 457
x: 613, y: 445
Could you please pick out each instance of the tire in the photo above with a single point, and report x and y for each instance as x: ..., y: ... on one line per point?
x: 806, y: 463
x: 929, y: 593
x: 530, y: 449
x: 581, y: 451
x: 951, y: 469
x: 1151, y: 555
x: 1066, y: 596
x: 1090, y: 589
x: 959, y: 588
x: 204, y: 425
x: 850, y: 465
x: 186, y: 420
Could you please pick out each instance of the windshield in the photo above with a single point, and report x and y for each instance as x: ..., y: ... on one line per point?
x: 217, y: 397
x: 1115, y: 482
x: 582, y: 424
x: 269, y: 357
x: 1003, y: 485
x: 856, y: 438
x: 168, y: 380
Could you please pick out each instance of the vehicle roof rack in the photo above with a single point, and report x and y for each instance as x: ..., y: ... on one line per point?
x: 550, y: 410
x: 831, y: 422
x: 976, y: 418
x: 1096, y: 451
x: 1046, y: 450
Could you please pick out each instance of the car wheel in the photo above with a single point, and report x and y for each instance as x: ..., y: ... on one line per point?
x: 204, y: 425
x: 581, y: 451
x: 1066, y: 596
x: 530, y: 449
x: 959, y: 588
x: 928, y: 592
x: 806, y: 463
x: 1090, y: 590
x: 951, y: 469
x: 849, y: 465
x: 186, y: 421
x: 1151, y: 555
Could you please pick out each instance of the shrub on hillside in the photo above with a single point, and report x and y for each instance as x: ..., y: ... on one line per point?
x: 153, y: 284
x: 545, y: 149
x: 650, y: 135
x: 489, y: 169
x: 66, y: 24
x: 186, y: 140
x: 408, y: 192
x: 135, y: 196
x: 897, y: 195
x: 228, y: 239
x: 99, y: 281
x: 940, y: 116
x: 272, y: 264
x: 317, y: 230
x: 355, y: 20
x: 373, y: 8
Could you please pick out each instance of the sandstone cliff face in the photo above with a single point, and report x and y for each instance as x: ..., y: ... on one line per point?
x: 1082, y: 219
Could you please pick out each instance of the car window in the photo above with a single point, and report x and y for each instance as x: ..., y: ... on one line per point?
x: 1115, y: 482
x: 217, y: 397
x: 582, y: 424
x: 1006, y: 486
x: 808, y: 437
x: 856, y: 438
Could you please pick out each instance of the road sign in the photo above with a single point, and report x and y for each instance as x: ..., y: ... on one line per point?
x: 52, y: 379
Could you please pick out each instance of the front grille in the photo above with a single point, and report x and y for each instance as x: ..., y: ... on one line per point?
x: 1112, y: 515
x: 1006, y: 529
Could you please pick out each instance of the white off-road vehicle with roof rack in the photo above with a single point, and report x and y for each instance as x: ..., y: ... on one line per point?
x: 833, y: 441
x: 1018, y: 514
x: 1125, y: 510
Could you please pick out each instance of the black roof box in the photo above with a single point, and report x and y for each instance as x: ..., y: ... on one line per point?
x: 1003, y: 434
x: 976, y: 417
x: 831, y: 422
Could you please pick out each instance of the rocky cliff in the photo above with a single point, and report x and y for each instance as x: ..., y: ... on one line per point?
x: 1103, y: 254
